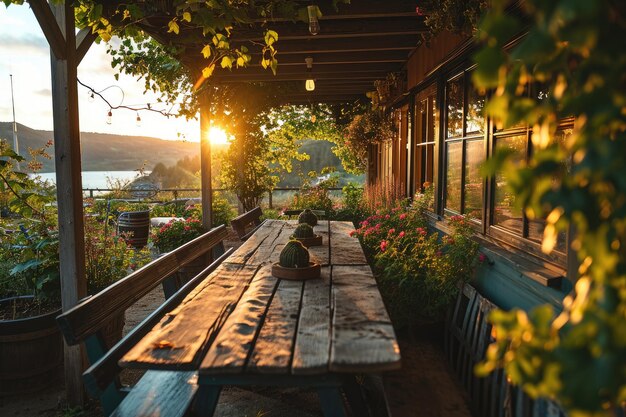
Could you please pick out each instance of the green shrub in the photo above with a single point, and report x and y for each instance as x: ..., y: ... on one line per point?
x: 418, y: 272
x: 176, y: 233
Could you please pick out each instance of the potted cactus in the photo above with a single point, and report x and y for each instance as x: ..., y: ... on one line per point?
x: 295, y: 264
x: 304, y: 233
x: 308, y: 217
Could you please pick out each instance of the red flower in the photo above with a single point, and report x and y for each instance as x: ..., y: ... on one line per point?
x: 391, y: 232
x: 403, y: 216
x: 482, y: 258
x: 387, y: 217
x: 383, y: 246
x: 401, y: 234
x: 352, y: 232
x: 421, y: 231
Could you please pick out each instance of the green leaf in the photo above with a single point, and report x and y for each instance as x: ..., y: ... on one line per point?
x: 208, y: 71
x: 271, y: 37
x: 206, y: 51
x: 173, y: 26
x: 226, y: 62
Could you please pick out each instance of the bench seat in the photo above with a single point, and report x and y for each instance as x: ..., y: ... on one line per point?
x: 158, y: 393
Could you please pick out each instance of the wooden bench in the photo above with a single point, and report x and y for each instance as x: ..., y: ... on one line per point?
x: 163, y: 393
x: 242, y: 222
x: 468, y: 334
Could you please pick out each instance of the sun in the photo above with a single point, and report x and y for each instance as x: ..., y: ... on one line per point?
x: 217, y: 136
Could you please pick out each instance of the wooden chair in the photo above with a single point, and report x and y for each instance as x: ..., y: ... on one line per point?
x: 163, y: 393
x: 250, y: 218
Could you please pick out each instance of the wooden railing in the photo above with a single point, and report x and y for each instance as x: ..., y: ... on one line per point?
x: 152, y: 195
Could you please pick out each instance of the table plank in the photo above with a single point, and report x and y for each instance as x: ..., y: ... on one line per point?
x: 180, y: 339
x: 363, y: 339
x: 268, y: 232
x: 231, y: 349
x: 321, y: 254
x: 269, y: 251
x: 274, y: 347
x: 311, y: 352
x: 344, y: 249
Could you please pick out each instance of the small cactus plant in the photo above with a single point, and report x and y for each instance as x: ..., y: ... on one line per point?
x: 294, y: 255
x: 303, y: 230
x: 307, y: 216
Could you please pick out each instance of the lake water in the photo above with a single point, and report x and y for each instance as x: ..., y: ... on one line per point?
x: 99, y: 179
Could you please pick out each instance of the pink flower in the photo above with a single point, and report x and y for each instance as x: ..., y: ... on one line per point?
x: 482, y: 258
x: 450, y: 240
x: 439, y: 253
x: 387, y: 217
x: 403, y: 216
x: 378, y: 226
x: 364, y: 223
x: 383, y: 246
x: 421, y: 231
x: 401, y: 234
x: 391, y: 232
x: 187, y: 228
x: 352, y: 232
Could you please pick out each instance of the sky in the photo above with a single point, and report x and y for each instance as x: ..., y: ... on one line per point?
x: 24, y: 52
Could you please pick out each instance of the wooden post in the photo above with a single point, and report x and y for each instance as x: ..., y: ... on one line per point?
x: 68, y: 172
x: 205, y: 163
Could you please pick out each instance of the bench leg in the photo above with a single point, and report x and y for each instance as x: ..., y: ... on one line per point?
x: 354, y: 394
x: 331, y: 401
x: 206, y: 400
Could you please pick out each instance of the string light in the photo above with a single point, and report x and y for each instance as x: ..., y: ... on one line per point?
x: 91, y: 97
x: 109, y: 118
x: 314, y: 24
x: 310, y: 82
x: 138, y: 120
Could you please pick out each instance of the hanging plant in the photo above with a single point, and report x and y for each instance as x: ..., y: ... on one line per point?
x: 457, y: 16
x: 373, y: 126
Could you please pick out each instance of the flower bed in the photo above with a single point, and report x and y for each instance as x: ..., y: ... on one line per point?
x: 418, y: 271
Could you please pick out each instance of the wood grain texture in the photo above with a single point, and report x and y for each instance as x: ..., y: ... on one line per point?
x: 363, y: 339
x: 311, y: 350
x: 181, y: 338
x: 159, y: 393
x: 265, y: 235
x: 92, y: 314
x: 269, y: 251
x: 274, y: 347
x: 344, y: 249
x: 231, y: 349
x: 321, y: 254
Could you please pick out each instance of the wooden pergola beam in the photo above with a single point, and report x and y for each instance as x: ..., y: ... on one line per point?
x: 357, y: 57
x: 84, y: 39
x: 47, y: 22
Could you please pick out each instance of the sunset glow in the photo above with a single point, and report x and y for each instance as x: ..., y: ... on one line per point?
x: 217, y: 136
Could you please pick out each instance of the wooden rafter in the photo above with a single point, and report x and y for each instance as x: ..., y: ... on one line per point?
x: 49, y: 26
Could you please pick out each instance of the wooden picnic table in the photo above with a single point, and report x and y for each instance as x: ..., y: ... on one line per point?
x: 242, y: 326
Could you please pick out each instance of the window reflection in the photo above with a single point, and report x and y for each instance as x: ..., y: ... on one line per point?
x: 473, y: 181
x: 474, y: 120
x: 505, y: 214
x: 454, y: 107
x: 453, y: 175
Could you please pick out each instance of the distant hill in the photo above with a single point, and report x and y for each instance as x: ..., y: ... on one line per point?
x: 105, y: 152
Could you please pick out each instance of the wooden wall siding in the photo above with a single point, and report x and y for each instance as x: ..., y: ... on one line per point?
x: 426, y: 57
x: 402, y: 150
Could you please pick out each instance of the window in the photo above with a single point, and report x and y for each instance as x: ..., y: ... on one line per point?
x: 464, y: 147
x: 426, y: 134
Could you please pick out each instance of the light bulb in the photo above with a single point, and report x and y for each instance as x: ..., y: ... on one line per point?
x: 90, y: 97
x: 138, y: 120
x: 309, y: 85
x: 314, y: 24
x: 109, y: 118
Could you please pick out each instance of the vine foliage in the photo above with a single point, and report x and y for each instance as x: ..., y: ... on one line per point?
x: 574, y: 51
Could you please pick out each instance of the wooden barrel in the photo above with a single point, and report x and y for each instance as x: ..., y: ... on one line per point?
x: 134, y: 226
x: 31, y: 353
